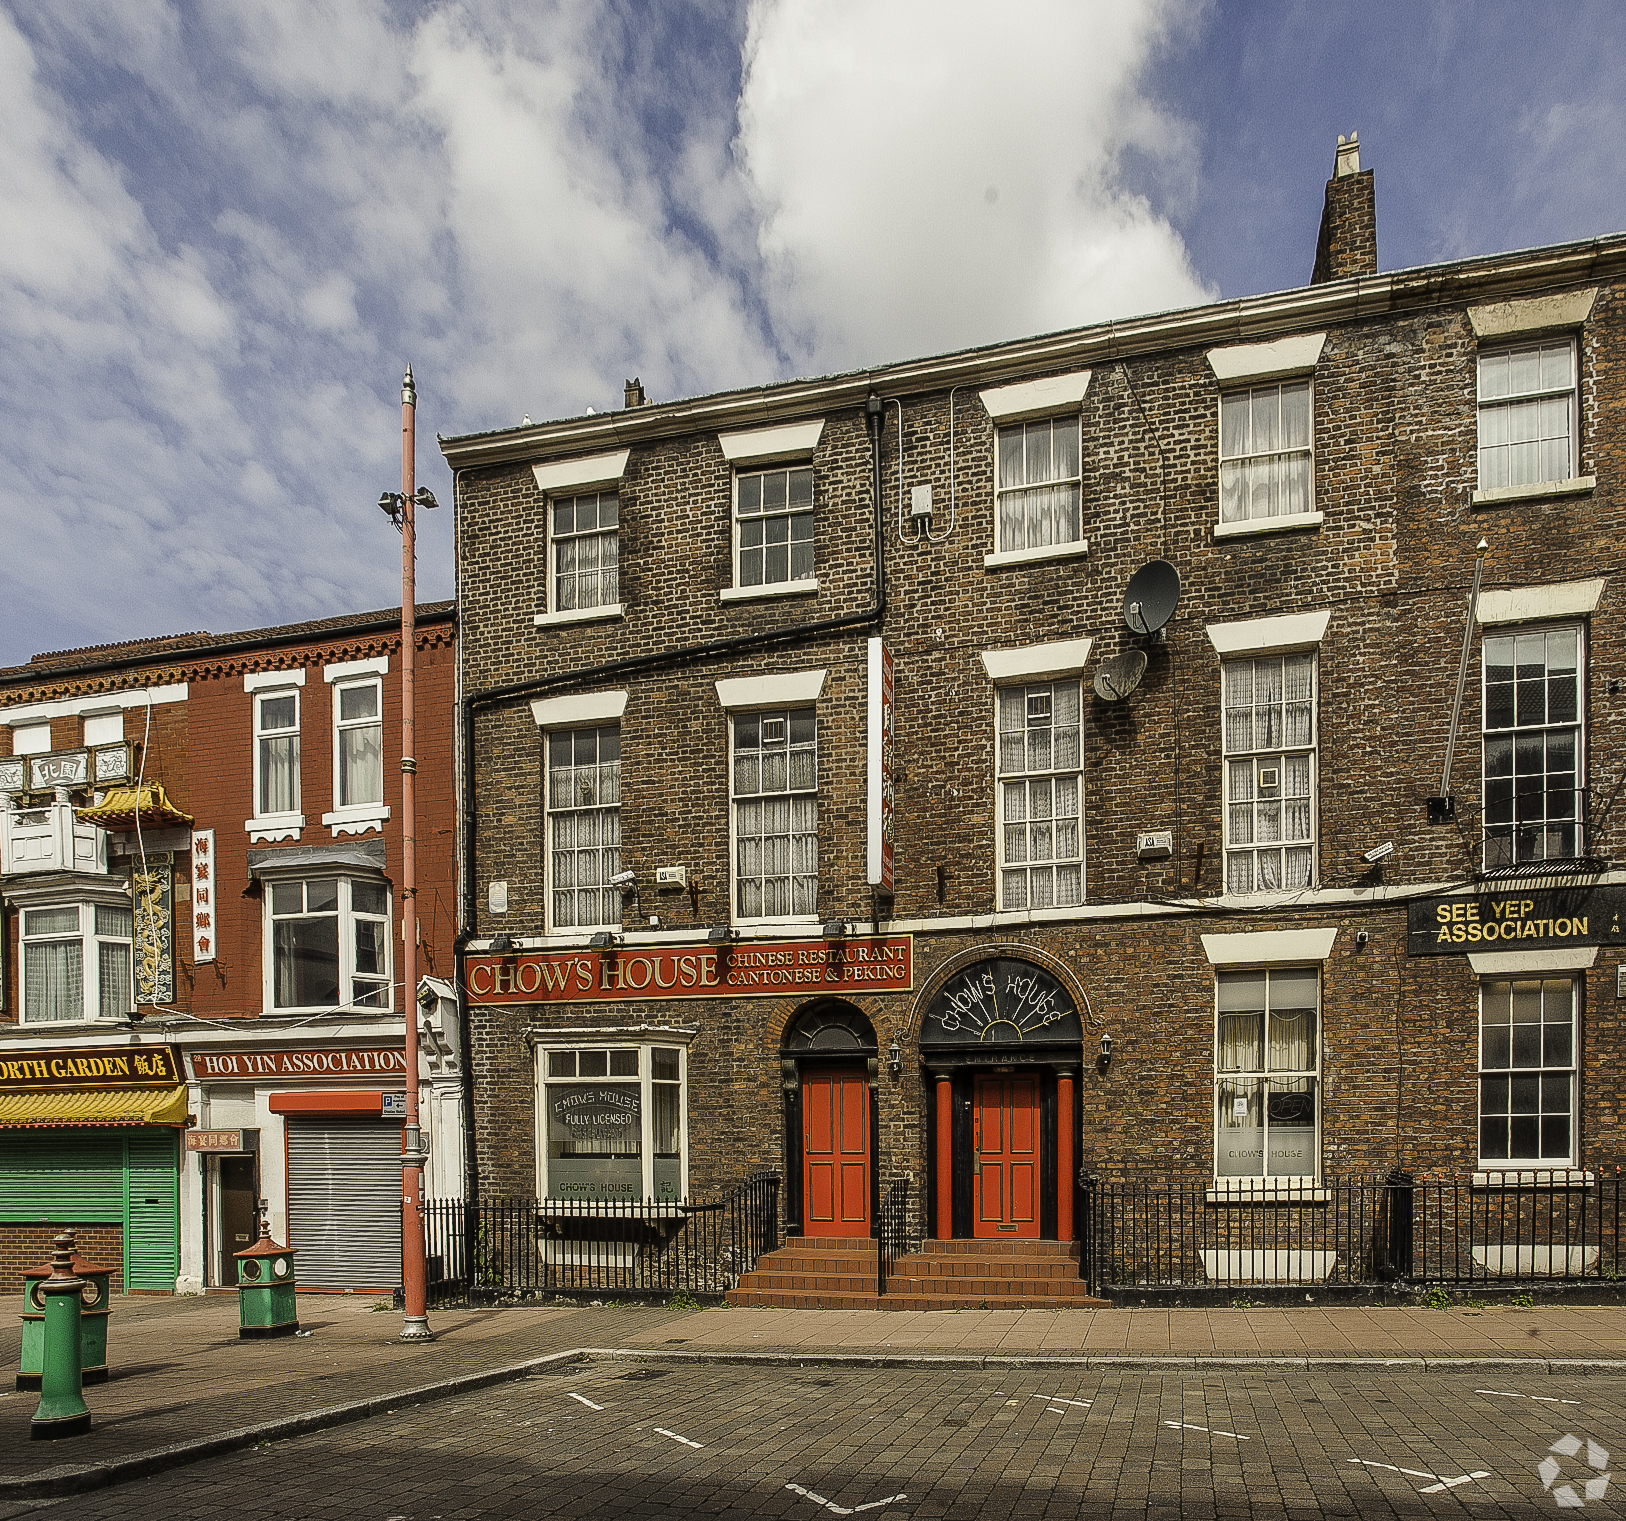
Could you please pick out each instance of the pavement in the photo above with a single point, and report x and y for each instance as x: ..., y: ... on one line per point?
x: 184, y: 1387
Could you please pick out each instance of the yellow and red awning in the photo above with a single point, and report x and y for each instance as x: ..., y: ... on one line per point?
x: 125, y: 807
x: 93, y: 1106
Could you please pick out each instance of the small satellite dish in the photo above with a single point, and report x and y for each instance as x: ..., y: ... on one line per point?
x: 1120, y: 675
x: 1151, y: 597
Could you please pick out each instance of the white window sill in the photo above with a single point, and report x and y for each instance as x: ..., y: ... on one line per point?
x: 1577, y: 485
x: 1266, y: 1190
x: 778, y: 589
x: 579, y: 615
x: 356, y: 820
x: 1073, y: 551
x: 275, y: 826
x: 1538, y: 1177
x: 1267, y: 525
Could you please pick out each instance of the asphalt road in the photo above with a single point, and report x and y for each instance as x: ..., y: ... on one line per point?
x: 650, y: 1440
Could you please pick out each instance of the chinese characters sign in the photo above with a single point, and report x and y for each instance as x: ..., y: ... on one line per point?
x: 203, y: 896
x: 880, y: 963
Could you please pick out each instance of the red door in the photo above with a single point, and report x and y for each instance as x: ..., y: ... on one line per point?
x: 835, y: 1154
x: 1006, y: 1169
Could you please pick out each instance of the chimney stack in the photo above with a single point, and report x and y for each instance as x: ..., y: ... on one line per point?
x: 1348, y: 242
x: 635, y: 393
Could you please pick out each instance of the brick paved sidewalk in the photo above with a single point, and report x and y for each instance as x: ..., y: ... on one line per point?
x: 181, y: 1375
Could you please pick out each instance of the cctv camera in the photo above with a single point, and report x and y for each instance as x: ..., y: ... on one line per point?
x: 623, y: 879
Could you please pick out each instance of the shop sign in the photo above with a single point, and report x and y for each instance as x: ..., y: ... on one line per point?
x: 59, y: 768
x: 392, y: 1106
x: 1523, y: 920
x: 296, y: 1066
x: 65, y: 1067
x: 1002, y: 1002
x: 754, y: 969
x: 153, y: 894
x: 203, y: 896
x: 215, y: 1140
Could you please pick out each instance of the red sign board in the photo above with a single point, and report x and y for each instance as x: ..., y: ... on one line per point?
x: 296, y: 1066
x: 752, y: 969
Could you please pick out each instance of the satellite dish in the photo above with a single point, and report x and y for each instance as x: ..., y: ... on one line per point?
x: 1151, y: 597
x: 1120, y: 675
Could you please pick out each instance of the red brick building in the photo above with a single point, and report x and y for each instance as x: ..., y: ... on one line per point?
x: 982, y: 770
x: 200, y: 851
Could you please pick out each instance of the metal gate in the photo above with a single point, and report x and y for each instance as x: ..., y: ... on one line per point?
x: 344, y: 1202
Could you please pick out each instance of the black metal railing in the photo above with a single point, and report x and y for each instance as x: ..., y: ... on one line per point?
x: 894, y: 1237
x: 506, y: 1249
x: 1497, y: 1227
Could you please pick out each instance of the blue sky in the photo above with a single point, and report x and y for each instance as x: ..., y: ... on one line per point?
x: 226, y: 224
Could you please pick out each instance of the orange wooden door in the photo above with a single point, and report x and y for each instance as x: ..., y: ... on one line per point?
x: 1006, y: 1169
x: 835, y: 1154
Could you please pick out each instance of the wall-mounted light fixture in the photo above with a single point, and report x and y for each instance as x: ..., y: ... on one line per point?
x: 1378, y: 852
x: 1106, y: 1052
x: 837, y: 929
x: 721, y: 935
x: 605, y: 940
x: 894, y: 1058
x: 623, y: 879
x: 501, y: 945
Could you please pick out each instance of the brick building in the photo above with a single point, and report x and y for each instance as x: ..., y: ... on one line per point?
x: 954, y: 777
x: 200, y: 851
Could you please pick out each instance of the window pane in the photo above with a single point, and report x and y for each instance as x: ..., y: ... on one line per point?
x: 114, y: 921
x: 51, y: 921
x: 369, y: 897
x: 53, y: 980
x: 279, y: 775
x: 358, y: 702
x: 361, y: 765
x: 113, y: 966
x: 305, y: 972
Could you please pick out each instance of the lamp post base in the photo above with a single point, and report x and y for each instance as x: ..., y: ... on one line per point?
x: 416, y: 1328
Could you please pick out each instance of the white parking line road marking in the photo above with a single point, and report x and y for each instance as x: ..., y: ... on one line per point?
x: 1445, y: 1484
x: 1214, y: 1431
x: 1056, y: 1399
x: 1437, y: 1488
x: 584, y: 1399
x: 675, y: 1437
x: 842, y: 1510
x: 1540, y: 1399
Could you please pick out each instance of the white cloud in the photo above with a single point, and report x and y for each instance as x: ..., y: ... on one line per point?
x: 937, y: 173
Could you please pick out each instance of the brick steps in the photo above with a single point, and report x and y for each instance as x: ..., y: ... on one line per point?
x: 824, y: 1273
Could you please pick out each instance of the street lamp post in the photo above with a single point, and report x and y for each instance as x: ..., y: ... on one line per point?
x: 400, y: 505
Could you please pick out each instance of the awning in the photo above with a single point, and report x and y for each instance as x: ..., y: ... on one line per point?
x: 93, y: 1106
x: 125, y: 807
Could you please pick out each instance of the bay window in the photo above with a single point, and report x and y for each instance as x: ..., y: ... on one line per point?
x: 328, y: 942
x: 77, y: 962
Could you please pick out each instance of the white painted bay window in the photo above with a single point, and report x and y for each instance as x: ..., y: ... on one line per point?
x: 76, y: 962
x: 329, y: 943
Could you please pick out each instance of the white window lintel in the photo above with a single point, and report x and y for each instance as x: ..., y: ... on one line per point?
x: 1036, y: 398
x: 763, y: 446
x: 1064, y: 657
x: 1258, y: 361
x: 771, y: 691
x: 1254, y: 635
x: 1526, y: 604
x: 579, y: 709
x: 99, y: 702
x: 593, y: 470
x: 1524, y: 963
x: 342, y: 670
x: 264, y: 681
x: 1504, y: 319
x: 1259, y: 947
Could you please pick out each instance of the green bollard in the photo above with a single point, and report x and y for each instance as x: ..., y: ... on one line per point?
x: 62, y: 1410
x: 94, y: 1312
x: 265, y: 1288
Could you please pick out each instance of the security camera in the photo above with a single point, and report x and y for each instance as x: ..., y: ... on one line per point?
x: 623, y: 879
x: 1378, y: 852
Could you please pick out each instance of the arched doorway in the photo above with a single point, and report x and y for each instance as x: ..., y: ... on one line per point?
x: 1002, y: 1042
x: 829, y: 1059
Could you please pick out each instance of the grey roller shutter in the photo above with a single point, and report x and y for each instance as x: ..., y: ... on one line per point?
x: 344, y: 1202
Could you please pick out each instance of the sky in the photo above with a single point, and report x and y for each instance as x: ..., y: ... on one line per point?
x: 227, y: 225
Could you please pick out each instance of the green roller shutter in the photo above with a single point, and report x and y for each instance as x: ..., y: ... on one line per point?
x: 152, y: 1227
x: 128, y: 1178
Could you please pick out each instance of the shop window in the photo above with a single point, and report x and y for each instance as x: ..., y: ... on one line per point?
x: 1041, y: 783
x: 1533, y: 746
x: 773, y: 526
x: 776, y: 814
x: 358, y: 744
x: 584, y: 826
x: 1527, y: 415
x: 1270, y: 773
x: 276, y: 753
x: 329, y: 940
x: 1266, y: 1074
x: 1527, y: 1072
x: 1038, y: 489
x: 76, y: 962
x: 612, y: 1123
x: 1265, y: 454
